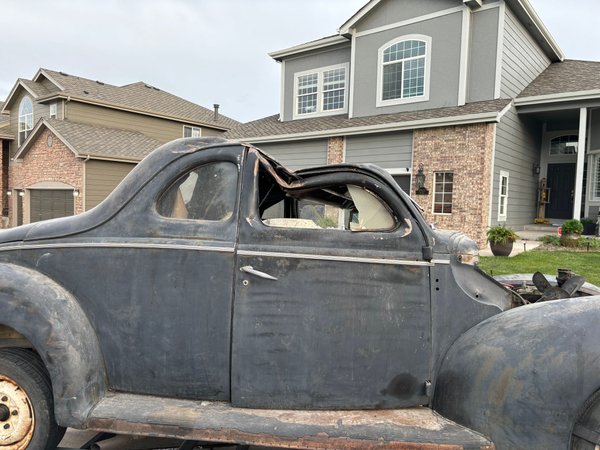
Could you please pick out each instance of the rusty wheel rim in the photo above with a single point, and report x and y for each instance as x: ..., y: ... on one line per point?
x: 16, y: 416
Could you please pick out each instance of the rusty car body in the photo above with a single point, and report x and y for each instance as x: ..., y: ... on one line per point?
x: 217, y: 296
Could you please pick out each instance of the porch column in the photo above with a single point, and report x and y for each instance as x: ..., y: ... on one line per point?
x: 581, y: 150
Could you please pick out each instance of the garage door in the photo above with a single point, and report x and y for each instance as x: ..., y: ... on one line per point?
x: 50, y: 204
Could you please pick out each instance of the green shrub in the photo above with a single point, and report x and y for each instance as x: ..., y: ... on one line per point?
x: 572, y: 226
x: 550, y: 240
x: 501, y: 235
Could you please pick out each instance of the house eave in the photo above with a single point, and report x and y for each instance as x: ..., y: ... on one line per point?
x: 346, y: 27
x: 558, y: 98
x: 493, y: 117
x: 9, y: 98
x: 526, y: 12
x: 309, y: 46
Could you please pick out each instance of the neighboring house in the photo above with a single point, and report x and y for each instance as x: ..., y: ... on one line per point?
x: 475, y: 95
x: 68, y: 141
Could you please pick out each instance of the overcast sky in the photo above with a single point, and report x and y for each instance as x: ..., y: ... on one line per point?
x: 206, y: 51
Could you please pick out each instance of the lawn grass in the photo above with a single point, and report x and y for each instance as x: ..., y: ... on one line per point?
x: 547, y: 262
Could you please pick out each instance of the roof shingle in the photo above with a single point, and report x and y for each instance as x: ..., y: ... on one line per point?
x: 272, y: 126
x: 564, y: 77
x: 102, y: 142
x: 138, y: 96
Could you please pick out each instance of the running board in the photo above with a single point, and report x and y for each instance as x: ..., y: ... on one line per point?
x: 410, y: 428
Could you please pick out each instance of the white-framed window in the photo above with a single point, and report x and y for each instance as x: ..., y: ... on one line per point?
x: 443, y: 191
x: 53, y: 110
x: 564, y: 145
x: 25, y: 119
x: 321, y: 91
x: 502, y: 196
x: 403, y: 70
x: 595, y: 188
x: 189, y: 131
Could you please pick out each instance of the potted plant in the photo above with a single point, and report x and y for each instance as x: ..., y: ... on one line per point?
x: 571, y: 232
x: 589, y: 226
x: 501, y: 240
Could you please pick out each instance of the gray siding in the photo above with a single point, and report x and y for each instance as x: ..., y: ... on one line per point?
x: 314, y: 60
x: 595, y: 130
x: 101, y: 177
x: 390, y: 151
x: 445, y: 33
x: 482, y: 59
x: 517, y: 150
x: 391, y: 11
x: 298, y: 155
x: 522, y: 59
x: 162, y: 129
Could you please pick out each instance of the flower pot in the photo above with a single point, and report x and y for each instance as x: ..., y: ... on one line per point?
x: 501, y: 249
x: 570, y: 239
x: 589, y: 229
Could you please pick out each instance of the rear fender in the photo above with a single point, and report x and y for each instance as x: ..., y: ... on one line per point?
x: 522, y: 376
x: 50, y: 318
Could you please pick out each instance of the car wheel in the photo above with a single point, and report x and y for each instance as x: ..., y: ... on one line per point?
x: 26, y: 403
x: 586, y: 431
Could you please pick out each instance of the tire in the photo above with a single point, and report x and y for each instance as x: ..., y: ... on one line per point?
x: 26, y: 403
x: 586, y: 431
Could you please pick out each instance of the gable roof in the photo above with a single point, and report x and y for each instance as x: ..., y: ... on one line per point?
x: 564, y: 81
x: 138, y: 97
x: 272, y: 129
x: 523, y: 9
x: 94, y: 141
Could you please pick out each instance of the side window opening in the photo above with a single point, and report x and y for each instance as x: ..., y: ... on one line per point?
x: 207, y: 193
x: 336, y: 206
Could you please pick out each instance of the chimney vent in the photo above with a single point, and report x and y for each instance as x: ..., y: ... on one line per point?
x: 216, y: 106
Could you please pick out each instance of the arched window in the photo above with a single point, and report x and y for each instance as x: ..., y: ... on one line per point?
x: 25, y: 119
x: 403, y: 70
x: 564, y: 145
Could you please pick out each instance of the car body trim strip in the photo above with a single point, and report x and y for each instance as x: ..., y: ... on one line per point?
x: 395, y: 262
x: 119, y: 245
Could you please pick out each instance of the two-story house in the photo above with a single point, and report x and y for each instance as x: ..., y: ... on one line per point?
x: 68, y: 141
x: 469, y: 104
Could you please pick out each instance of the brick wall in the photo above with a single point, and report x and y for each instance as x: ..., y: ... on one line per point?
x: 466, y: 151
x: 335, y: 150
x: 44, y: 163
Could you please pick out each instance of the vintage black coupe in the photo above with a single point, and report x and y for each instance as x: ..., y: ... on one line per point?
x: 216, y: 296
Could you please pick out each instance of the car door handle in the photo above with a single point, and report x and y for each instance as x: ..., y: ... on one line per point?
x: 258, y: 273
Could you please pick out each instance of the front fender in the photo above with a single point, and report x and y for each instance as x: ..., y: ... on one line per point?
x: 522, y: 376
x: 52, y: 320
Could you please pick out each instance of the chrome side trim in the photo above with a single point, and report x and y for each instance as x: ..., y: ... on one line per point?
x: 440, y: 261
x: 393, y: 262
x: 118, y: 245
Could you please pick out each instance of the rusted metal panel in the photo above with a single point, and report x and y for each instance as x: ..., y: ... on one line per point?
x: 522, y: 376
x: 414, y: 428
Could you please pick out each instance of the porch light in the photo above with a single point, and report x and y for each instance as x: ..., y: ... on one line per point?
x: 536, y: 169
x: 421, y: 189
x: 75, y: 192
x: 9, y: 193
x: 21, y: 193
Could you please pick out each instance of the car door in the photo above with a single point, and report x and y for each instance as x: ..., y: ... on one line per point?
x: 156, y: 278
x: 327, y: 317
